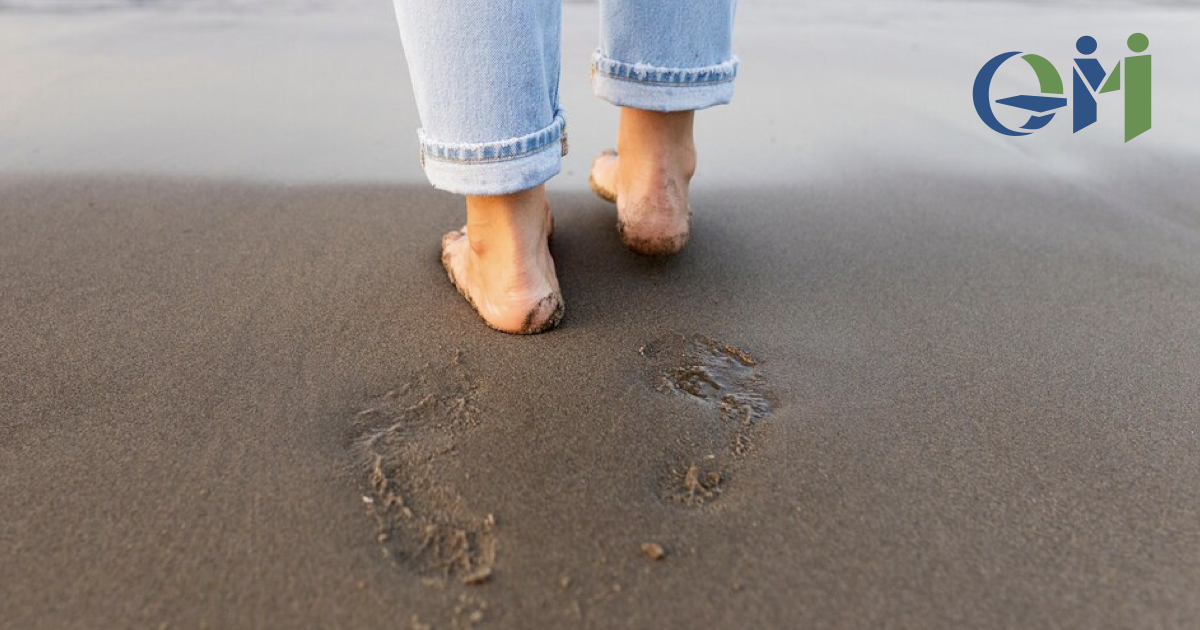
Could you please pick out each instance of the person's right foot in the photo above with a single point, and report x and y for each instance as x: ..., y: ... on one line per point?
x: 648, y: 179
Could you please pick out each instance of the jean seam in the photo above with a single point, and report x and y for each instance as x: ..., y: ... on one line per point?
x: 726, y: 72
x: 554, y: 132
x: 668, y: 83
x: 505, y: 158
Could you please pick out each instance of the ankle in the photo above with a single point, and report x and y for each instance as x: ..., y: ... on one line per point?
x: 507, y: 224
x: 658, y: 144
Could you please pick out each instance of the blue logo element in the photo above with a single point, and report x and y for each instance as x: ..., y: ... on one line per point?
x: 1088, y: 81
x: 1048, y: 82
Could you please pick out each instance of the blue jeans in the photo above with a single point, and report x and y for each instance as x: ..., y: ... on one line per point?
x: 485, y: 74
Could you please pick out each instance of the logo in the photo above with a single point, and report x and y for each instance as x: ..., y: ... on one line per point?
x: 1087, y: 84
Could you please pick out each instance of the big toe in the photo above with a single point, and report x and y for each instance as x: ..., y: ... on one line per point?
x: 452, y: 236
x: 454, y: 249
x: 603, y: 177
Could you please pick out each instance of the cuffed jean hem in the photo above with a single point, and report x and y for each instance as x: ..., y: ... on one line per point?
x: 642, y: 86
x: 495, y: 168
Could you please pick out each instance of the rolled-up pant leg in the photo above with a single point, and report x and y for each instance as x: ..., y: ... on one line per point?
x: 485, y: 74
x: 665, y: 55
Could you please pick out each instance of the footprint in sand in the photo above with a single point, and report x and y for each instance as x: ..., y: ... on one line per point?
x: 727, y: 381
x: 407, y: 437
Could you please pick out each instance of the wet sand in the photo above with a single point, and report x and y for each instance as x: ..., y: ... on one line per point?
x: 913, y: 394
x: 983, y: 413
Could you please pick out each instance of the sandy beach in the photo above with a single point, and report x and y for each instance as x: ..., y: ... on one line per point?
x: 908, y: 373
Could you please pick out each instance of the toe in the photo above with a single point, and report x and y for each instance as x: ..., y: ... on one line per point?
x: 604, y: 175
x: 454, y: 247
x: 453, y: 235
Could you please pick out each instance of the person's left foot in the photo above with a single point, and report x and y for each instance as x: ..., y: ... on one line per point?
x: 500, y: 262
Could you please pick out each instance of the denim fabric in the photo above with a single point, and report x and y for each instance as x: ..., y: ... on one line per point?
x: 485, y: 74
x: 665, y: 55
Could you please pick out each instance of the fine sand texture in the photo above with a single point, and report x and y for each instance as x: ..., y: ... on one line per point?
x: 940, y: 404
x: 907, y: 373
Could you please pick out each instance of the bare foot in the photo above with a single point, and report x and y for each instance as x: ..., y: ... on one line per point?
x: 649, y: 180
x: 500, y: 261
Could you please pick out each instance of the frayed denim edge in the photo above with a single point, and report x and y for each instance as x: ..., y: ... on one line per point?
x: 649, y: 74
x: 495, y: 177
x: 658, y: 97
x: 642, y: 86
x: 501, y: 150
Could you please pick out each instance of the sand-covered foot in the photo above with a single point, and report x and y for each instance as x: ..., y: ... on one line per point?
x: 500, y: 261
x: 648, y: 180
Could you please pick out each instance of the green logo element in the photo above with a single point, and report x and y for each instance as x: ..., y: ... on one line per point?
x: 1137, y: 87
x: 1088, y: 82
